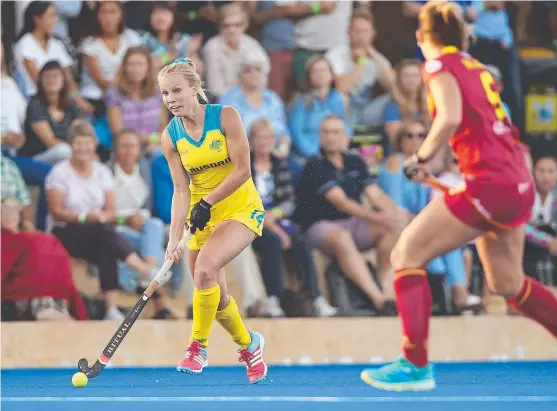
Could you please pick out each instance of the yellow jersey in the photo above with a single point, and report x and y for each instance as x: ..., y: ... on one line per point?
x: 207, y: 163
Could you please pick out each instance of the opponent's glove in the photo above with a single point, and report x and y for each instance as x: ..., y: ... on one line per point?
x: 413, y: 166
x: 200, y: 215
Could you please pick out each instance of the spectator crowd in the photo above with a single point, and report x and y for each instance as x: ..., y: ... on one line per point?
x: 330, y: 121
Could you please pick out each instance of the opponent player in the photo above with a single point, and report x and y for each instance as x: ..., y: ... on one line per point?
x: 208, y: 142
x: 498, y: 195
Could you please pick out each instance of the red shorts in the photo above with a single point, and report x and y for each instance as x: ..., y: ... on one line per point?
x: 490, y: 206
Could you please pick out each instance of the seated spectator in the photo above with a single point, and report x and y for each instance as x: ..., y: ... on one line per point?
x: 135, y: 102
x: 358, y: 66
x: 224, y: 53
x: 36, y: 47
x: 253, y: 101
x: 319, y: 27
x: 274, y: 182
x: 14, y: 106
x: 409, y: 99
x: 331, y: 212
x: 318, y: 100
x: 165, y: 42
x: 413, y: 197
x: 36, y: 273
x: 277, y: 38
x: 145, y: 234
x: 82, y: 206
x: 132, y: 192
x: 541, y: 233
x: 48, y: 119
x: 103, y: 51
x: 13, y: 185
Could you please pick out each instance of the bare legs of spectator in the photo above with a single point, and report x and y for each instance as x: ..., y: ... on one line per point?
x: 101, y: 245
x: 147, y: 268
x: 340, y: 243
x: 384, y: 244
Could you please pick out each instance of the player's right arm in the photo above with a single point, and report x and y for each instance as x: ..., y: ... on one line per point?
x: 180, y: 197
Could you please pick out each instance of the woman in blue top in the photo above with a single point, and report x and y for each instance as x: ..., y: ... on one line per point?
x: 409, y: 100
x: 319, y: 100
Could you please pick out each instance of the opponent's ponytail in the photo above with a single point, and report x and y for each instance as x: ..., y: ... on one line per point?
x: 442, y: 23
x: 187, y: 68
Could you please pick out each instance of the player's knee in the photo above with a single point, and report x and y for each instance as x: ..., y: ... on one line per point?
x: 402, y: 256
x: 506, y: 286
x: 205, y: 275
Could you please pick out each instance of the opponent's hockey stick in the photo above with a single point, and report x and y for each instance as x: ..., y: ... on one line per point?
x: 118, y: 337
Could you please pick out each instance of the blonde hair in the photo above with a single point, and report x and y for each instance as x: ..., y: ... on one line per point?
x: 148, y: 86
x: 187, y: 68
x: 260, y: 124
x: 81, y: 128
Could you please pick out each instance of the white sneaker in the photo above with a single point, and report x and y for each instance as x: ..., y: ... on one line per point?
x: 114, y: 314
x: 323, y: 308
x: 273, y: 307
x: 473, y: 300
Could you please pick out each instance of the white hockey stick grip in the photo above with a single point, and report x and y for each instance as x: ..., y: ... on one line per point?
x: 168, y: 263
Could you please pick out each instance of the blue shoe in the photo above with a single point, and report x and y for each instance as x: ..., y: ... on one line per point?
x: 400, y: 375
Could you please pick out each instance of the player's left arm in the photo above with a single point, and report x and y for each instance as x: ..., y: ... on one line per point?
x: 238, y: 149
x: 448, y: 105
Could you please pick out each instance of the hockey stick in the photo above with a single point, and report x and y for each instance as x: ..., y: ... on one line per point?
x: 118, y: 337
x: 433, y: 182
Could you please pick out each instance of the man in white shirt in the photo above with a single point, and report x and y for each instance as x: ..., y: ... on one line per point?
x: 357, y: 66
x: 320, y: 32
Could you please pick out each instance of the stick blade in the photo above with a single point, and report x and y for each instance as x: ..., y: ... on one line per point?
x: 90, y: 372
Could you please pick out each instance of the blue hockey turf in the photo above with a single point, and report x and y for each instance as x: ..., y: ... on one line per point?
x: 493, y: 386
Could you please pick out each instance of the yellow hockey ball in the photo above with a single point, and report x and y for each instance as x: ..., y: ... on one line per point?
x: 79, y: 380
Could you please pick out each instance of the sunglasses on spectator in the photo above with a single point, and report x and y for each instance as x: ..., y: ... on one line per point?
x: 415, y: 135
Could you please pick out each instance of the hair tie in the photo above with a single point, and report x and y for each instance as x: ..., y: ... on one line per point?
x: 181, y: 60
